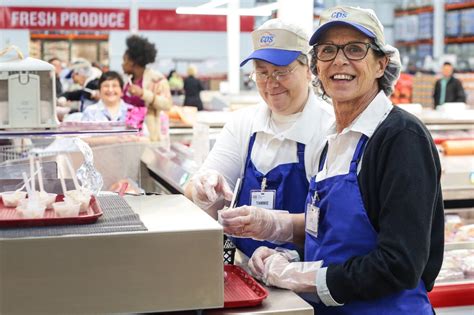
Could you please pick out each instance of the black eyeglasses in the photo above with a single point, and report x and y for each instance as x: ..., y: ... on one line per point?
x: 352, y: 51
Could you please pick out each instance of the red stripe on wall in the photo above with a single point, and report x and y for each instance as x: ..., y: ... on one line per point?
x: 3, y: 17
x: 168, y: 20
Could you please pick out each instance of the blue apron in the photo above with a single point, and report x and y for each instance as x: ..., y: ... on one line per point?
x: 345, y: 231
x: 291, y: 186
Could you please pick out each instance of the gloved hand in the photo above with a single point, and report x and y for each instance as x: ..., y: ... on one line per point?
x: 208, y: 187
x: 257, y: 261
x: 61, y: 101
x: 280, y: 271
x: 257, y: 223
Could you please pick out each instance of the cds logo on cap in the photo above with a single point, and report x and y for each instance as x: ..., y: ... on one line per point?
x: 339, y: 15
x: 267, y: 39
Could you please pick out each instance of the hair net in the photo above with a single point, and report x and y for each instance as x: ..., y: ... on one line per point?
x: 392, y: 71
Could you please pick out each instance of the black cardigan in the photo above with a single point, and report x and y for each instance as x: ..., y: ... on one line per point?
x: 400, y: 185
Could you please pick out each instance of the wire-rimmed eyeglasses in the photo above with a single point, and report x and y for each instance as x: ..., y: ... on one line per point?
x: 279, y: 75
x: 352, y: 51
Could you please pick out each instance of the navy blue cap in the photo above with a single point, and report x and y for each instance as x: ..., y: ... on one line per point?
x: 277, y: 57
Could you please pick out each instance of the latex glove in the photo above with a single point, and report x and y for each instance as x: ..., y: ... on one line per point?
x: 95, y: 95
x: 295, y: 276
x: 257, y: 261
x: 208, y: 186
x: 257, y: 223
x: 61, y: 101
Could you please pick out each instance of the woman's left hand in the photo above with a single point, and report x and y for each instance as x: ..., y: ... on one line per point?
x: 135, y: 90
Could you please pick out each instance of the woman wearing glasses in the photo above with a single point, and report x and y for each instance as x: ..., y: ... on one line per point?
x: 374, y: 212
x: 273, y: 147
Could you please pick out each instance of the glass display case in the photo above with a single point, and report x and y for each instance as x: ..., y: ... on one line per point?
x: 455, y: 283
x: 115, y: 152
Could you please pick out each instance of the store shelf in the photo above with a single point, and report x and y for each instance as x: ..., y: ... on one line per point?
x: 419, y: 10
x: 459, y: 40
x: 414, y: 26
x: 415, y: 43
x: 459, y: 6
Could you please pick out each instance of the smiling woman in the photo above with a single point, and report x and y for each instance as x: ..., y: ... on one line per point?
x: 273, y: 147
x: 110, y: 107
x: 284, y: 89
x: 375, y: 224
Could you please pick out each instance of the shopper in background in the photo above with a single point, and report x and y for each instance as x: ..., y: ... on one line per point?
x: 148, y: 90
x: 87, y: 77
x: 374, y: 212
x: 110, y: 107
x: 192, y: 89
x: 58, y: 68
x: 448, y: 88
x: 176, y: 83
x: 275, y: 146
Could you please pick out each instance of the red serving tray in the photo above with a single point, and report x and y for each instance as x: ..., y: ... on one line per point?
x: 9, y: 216
x: 445, y: 295
x: 240, y: 289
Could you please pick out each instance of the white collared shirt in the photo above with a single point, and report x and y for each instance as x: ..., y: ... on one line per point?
x: 341, y: 148
x: 99, y: 112
x: 275, y: 143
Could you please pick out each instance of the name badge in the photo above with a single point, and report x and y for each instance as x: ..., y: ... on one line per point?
x: 312, y: 219
x: 263, y: 199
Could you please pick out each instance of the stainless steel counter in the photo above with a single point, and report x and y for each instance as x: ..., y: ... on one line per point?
x: 278, y: 302
x: 175, y: 265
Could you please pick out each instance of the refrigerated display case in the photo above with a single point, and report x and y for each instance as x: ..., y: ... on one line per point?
x: 454, y: 286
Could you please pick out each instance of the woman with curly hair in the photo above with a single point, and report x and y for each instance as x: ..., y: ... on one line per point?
x: 147, y: 90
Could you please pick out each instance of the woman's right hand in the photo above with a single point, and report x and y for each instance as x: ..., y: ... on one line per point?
x: 208, y: 186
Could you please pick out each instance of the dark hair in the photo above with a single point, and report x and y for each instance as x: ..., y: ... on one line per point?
x: 111, y: 75
x: 447, y: 63
x: 53, y: 59
x: 171, y: 74
x: 140, y: 50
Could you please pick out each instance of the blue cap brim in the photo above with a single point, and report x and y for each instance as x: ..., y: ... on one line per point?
x: 317, y: 34
x: 277, y: 57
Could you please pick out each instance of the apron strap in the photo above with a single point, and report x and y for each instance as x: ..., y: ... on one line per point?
x: 300, y: 152
x: 358, y: 153
x: 249, y: 150
x: 247, y: 161
x: 322, y: 157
